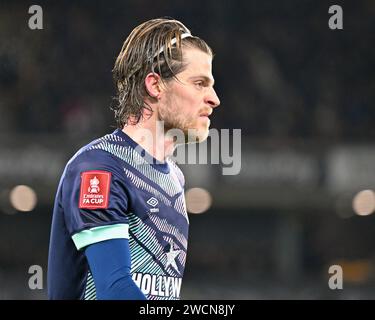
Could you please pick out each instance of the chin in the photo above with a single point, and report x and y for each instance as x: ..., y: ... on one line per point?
x: 203, y: 136
x: 196, y: 136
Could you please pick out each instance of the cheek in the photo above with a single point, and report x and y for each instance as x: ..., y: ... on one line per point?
x: 185, y: 96
x: 190, y: 102
x: 184, y: 102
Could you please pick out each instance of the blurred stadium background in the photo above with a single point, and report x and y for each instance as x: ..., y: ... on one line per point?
x: 302, y: 94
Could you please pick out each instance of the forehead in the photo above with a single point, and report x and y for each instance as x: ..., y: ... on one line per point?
x: 198, y: 63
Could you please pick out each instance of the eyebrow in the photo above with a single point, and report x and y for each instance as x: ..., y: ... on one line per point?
x: 205, y: 78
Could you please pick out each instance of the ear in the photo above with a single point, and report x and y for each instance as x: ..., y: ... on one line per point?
x: 152, y: 84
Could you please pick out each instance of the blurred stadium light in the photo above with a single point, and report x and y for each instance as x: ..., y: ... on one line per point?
x: 198, y: 200
x: 364, y: 202
x: 23, y: 198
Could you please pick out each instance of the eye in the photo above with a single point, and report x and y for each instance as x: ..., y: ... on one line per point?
x: 199, y: 84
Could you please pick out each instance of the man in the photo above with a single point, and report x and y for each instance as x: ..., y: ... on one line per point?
x: 120, y: 226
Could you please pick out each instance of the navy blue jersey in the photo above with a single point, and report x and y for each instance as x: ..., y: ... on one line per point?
x: 110, y: 190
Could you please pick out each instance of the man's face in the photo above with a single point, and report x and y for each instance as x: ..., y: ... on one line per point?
x: 188, y: 102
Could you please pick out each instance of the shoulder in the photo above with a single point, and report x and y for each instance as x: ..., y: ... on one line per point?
x: 95, y: 156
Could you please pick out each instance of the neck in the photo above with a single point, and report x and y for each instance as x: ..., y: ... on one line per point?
x: 150, y: 135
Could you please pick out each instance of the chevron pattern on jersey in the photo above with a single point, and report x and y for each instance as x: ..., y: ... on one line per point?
x: 169, y: 229
x: 135, y: 160
x: 141, y: 184
x: 90, y: 291
x: 180, y: 206
x: 143, y: 255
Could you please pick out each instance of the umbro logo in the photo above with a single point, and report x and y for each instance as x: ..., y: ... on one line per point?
x: 153, y: 202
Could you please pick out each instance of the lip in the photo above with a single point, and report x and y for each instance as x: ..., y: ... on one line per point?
x: 206, y: 114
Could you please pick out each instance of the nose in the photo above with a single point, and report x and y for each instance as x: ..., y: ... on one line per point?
x: 212, y: 99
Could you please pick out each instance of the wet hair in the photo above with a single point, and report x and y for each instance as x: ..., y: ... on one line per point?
x: 154, y: 46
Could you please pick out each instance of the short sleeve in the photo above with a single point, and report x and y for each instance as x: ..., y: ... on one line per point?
x: 95, y: 199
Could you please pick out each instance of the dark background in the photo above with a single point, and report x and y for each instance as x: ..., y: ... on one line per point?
x: 302, y: 94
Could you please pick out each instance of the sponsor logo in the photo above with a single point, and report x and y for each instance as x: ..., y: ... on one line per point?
x: 94, y: 189
x: 156, y: 285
